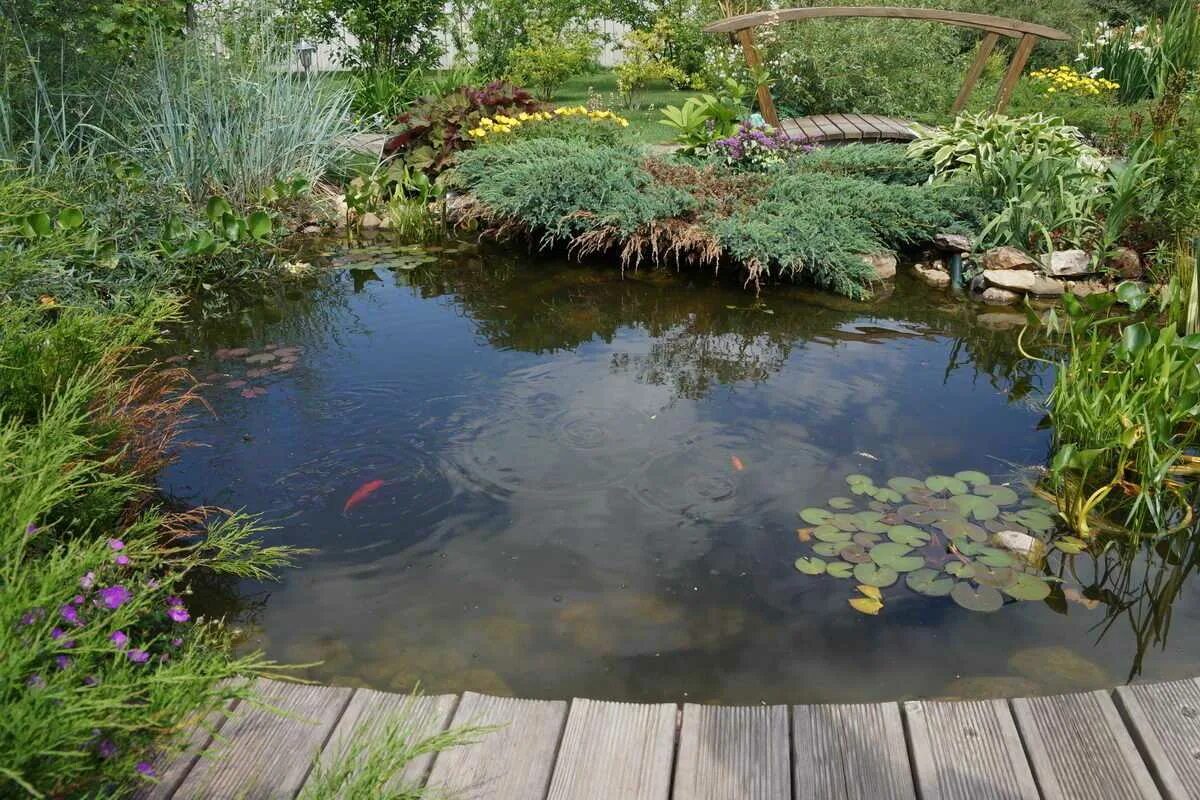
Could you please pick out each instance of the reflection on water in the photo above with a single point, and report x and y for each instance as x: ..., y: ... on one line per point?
x: 590, y: 485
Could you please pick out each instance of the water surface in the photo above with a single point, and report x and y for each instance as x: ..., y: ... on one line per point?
x: 590, y: 484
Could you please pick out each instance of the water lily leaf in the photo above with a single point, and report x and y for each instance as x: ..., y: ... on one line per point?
x: 886, y: 551
x: 972, y: 505
x: 1000, y: 495
x: 875, y: 575
x: 855, y: 480
x: 906, y: 563
x: 945, y: 483
x: 957, y: 526
x: 929, y: 582
x: 870, y: 591
x: 993, y: 557
x: 1027, y: 587
x: 968, y: 547
x: 902, y: 484
x: 982, y: 598
x: 973, y: 477
x: 1035, y: 520
x: 863, y: 488
x: 960, y: 569
x: 885, y: 495
x: 866, y: 605
x: 839, y: 569
x: 810, y: 566
x: 828, y: 533
x: 1070, y: 544
x: 828, y: 549
x: 841, y: 503
x: 855, y: 554
x: 845, y: 522
x: 916, y: 515
x: 908, y: 536
x: 815, y: 516
x: 996, y: 578
x: 867, y: 539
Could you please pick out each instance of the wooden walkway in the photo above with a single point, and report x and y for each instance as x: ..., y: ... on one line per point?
x: 1137, y: 742
x: 833, y: 128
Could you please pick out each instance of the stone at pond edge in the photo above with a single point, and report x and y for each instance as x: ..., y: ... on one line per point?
x: 1024, y: 545
x: 1048, y: 287
x: 995, y: 296
x: 1085, y: 288
x: 1015, y: 280
x: 1067, y: 263
x: 1007, y: 258
x: 369, y: 221
x: 883, y: 264
x: 953, y: 242
x: 937, y: 278
x: 1058, y: 668
x: 1125, y: 263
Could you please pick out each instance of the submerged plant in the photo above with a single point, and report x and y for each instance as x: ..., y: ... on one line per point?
x: 958, y: 536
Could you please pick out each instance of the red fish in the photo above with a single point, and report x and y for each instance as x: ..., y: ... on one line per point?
x: 361, y: 493
x: 737, y: 463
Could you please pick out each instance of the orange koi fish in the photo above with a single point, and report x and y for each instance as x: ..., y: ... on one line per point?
x: 737, y: 463
x: 361, y: 493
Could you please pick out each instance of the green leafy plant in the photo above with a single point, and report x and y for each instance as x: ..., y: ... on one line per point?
x: 550, y: 57
x: 385, y: 35
x: 704, y: 119
x: 643, y: 61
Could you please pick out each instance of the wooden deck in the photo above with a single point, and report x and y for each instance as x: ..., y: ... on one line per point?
x: 834, y: 128
x: 1137, y: 742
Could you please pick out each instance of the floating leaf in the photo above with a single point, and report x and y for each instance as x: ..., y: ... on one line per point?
x: 875, y: 575
x: 810, y: 566
x: 972, y: 505
x: 888, y: 496
x: 867, y: 539
x: 845, y: 522
x: 841, y: 503
x: 1070, y: 544
x: 906, y: 563
x: 945, y: 483
x: 828, y: 533
x: 973, y: 477
x: 882, y: 553
x: 908, y: 536
x: 857, y: 480
x: 1000, y: 495
x: 815, y: 516
x: 828, y: 549
x: 954, y: 528
x: 866, y: 605
x: 1027, y: 587
x: 1035, y: 520
x: 804, y: 534
x: 994, y: 577
x: 993, y: 557
x: 982, y: 598
x: 903, y: 484
x: 960, y: 569
x: 870, y: 591
x: 863, y: 488
x: 855, y: 554
x: 839, y: 569
x: 929, y: 582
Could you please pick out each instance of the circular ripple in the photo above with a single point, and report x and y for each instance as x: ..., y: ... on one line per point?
x: 693, y: 483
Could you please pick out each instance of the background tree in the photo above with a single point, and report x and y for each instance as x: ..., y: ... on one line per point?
x: 397, y: 35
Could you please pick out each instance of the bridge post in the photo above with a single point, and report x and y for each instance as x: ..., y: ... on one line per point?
x: 1004, y: 93
x: 985, y: 51
x: 753, y: 60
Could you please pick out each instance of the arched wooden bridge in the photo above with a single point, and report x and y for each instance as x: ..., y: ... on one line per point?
x: 871, y: 127
x: 1141, y: 742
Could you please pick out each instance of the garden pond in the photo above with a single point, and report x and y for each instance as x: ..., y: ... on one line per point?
x: 523, y: 476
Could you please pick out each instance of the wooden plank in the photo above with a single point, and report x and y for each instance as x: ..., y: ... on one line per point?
x: 512, y: 762
x: 373, y: 714
x: 851, y: 752
x: 733, y: 754
x: 968, y: 751
x: 1080, y: 749
x: 829, y: 131
x: 615, y: 750
x: 974, y: 71
x: 869, y: 128
x: 766, y: 104
x: 1020, y: 58
x: 845, y: 123
x: 808, y: 129
x: 1164, y: 719
x: 171, y: 768
x: 1001, y: 25
x: 894, y: 129
x: 262, y: 754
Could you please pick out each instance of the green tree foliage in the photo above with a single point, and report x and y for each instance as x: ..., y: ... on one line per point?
x: 551, y: 57
x: 399, y: 35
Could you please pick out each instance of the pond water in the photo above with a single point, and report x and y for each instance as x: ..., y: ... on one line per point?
x: 529, y: 477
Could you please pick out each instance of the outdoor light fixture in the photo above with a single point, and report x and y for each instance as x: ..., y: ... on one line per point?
x: 304, y: 51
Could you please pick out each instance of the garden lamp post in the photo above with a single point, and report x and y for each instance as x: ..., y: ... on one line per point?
x: 304, y: 51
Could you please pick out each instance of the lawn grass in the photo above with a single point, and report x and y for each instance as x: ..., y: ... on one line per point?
x: 643, y: 117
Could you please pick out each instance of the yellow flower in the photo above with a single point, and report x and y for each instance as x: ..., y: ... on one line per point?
x: 478, y: 133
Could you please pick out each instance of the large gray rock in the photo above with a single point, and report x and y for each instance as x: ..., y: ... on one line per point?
x: 995, y: 296
x: 1015, y: 280
x: 1048, y: 287
x: 1067, y: 263
x: 884, y: 264
x: 1084, y: 288
x: 952, y: 242
x: 1125, y: 263
x: 1007, y: 258
x: 937, y: 278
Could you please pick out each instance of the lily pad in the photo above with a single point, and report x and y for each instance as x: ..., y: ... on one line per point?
x: 908, y: 536
x: 957, y: 527
x: 1000, y: 495
x: 945, y: 483
x: 863, y: 488
x: 855, y: 554
x: 959, y: 569
x: 827, y: 549
x: 839, y: 569
x: 1070, y: 545
x: 885, y: 495
x: 972, y: 505
x: 844, y: 522
x: 858, y: 480
x: 867, y: 539
x: 973, y: 477
x: 810, y: 566
x: 816, y: 516
x: 995, y: 577
x: 875, y: 575
x: 906, y: 563
x: 841, y: 503
x: 1035, y: 520
x: 866, y: 605
x: 929, y: 582
x: 993, y: 557
x: 903, y: 484
x: 870, y: 591
x: 828, y: 533
x: 882, y: 553
x: 981, y: 598
x: 1027, y: 587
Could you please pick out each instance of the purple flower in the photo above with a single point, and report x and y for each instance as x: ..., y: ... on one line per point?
x: 88, y: 580
x: 70, y: 614
x: 77, y: 600
x: 35, y: 682
x: 106, y: 748
x: 116, y: 544
x: 119, y: 639
x: 151, y: 584
x: 138, y: 656
x: 30, y: 617
x: 62, y: 661
x: 145, y: 768
x: 177, y: 642
x: 114, y: 596
x: 178, y: 614
x: 56, y: 632
x: 122, y: 559
x: 69, y: 644
x: 31, y: 529
x: 90, y: 680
